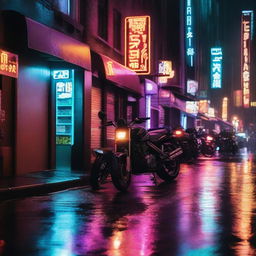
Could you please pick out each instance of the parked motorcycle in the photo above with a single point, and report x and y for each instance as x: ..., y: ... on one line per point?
x: 208, y: 145
x: 188, y: 142
x: 136, y: 151
x: 227, y: 143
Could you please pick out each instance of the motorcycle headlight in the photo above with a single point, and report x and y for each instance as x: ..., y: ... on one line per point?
x: 121, y: 135
x: 178, y: 133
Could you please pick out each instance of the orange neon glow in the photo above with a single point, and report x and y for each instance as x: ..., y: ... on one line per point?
x: 137, y: 44
x: 8, y: 64
x: 225, y: 109
x: 109, y: 70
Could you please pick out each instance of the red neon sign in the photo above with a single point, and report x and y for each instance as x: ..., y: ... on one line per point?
x: 8, y: 64
x: 137, y: 44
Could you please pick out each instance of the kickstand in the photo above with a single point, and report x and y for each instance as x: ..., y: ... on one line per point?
x: 153, y: 178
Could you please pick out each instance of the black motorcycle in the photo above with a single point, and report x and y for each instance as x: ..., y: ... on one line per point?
x: 208, y: 145
x: 136, y: 151
x: 227, y: 143
x: 188, y: 142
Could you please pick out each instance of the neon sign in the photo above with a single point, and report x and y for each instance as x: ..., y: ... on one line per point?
x: 192, y: 107
x: 216, y: 67
x: 225, y: 109
x: 247, y: 18
x: 192, y: 87
x: 137, y: 44
x: 190, y: 50
x: 8, y: 64
x: 165, y: 71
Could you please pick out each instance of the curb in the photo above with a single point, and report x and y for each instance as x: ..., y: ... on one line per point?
x: 41, y: 188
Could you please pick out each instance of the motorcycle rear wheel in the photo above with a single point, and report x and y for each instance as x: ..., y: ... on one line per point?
x: 99, y: 172
x: 120, y: 174
x: 168, y: 170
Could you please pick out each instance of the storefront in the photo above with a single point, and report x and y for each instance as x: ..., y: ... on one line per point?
x: 150, y: 104
x: 116, y: 90
x: 50, y: 98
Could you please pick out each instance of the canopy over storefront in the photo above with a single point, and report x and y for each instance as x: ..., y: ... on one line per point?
x: 115, y: 72
x: 42, y: 39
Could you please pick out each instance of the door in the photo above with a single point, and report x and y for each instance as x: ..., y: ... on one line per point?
x: 7, y: 92
x: 63, y: 82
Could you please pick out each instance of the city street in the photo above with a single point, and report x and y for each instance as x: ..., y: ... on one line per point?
x: 209, y: 210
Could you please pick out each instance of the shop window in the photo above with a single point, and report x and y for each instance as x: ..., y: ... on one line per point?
x: 117, y: 29
x: 103, y: 19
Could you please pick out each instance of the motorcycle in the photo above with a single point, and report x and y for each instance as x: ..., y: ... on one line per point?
x: 208, y: 146
x: 227, y: 143
x: 188, y: 142
x: 136, y: 151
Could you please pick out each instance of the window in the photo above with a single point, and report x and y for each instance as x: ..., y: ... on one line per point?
x: 62, y: 6
x: 117, y: 29
x: 103, y: 19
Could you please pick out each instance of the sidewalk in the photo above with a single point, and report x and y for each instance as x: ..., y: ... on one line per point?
x: 37, y: 183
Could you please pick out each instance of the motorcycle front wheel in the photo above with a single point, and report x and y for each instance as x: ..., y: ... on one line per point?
x: 99, y: 172
x: 120, y: 174
x: 168, y: 170
x: 208, y: 151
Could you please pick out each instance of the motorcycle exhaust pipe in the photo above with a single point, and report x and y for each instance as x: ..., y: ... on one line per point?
x: 175, y: 153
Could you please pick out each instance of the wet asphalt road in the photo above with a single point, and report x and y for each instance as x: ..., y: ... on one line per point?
x: 209, y: 210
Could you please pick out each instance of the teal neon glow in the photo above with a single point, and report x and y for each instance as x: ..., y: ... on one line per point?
x: 216, y: 67
x: 189, y: 37
x: 60, y: 74
x: 64, y: 107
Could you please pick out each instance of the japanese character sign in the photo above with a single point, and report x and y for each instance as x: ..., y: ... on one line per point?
x: 216, y: 67
x: 245, y: 56
x: 8, y: 64
x: 137, y: 44
x: 189, y: 34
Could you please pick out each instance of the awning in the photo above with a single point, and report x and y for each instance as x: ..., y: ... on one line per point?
x: 183, y: 96
x: 115, y: 72
x: 47, y: 40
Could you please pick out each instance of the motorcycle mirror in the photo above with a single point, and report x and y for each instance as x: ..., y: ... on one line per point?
x: 102, y: 115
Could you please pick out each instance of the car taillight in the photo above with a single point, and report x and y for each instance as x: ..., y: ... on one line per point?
x: 209, y: 138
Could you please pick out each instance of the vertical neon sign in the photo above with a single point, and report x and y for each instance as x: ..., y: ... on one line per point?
x: 190, y: 50
x: 216, y: 67
x: 246, y: 36
x: 137, y: 44
x: 225, y: 109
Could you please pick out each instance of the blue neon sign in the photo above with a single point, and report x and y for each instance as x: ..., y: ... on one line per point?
x: 216, y: 67
x: 190, y: 50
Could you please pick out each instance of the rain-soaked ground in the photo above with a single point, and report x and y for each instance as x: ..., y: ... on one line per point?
x: 209, y: 210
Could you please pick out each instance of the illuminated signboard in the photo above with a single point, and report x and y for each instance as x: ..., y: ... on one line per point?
x: 137, y: 44
x: 204, y: 106
x: 246, y: 30
x: 211, y: 112
x: 192, y: 87
x: 8, y: 64
x: 216, y: 67
x: 60, y: 74
x: 238, y: 99
x: 225, y: 109
x: 165, y: 71
x: 189, y: 37
x: 192, y: 107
